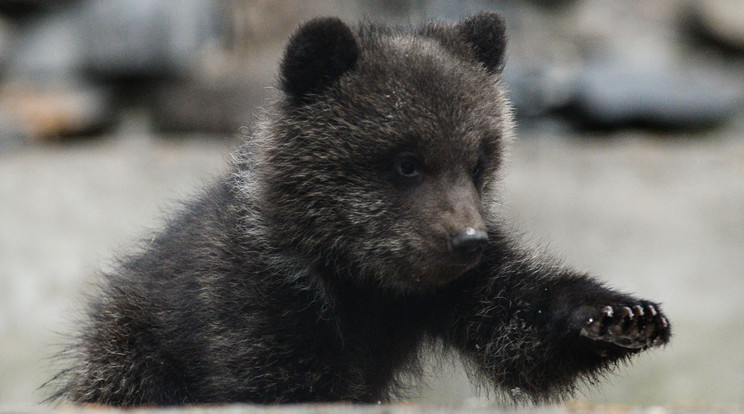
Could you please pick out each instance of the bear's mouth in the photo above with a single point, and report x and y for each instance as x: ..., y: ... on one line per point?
x: 443, y: 273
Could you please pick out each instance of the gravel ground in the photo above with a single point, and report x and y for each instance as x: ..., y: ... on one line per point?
x: 662, y: 216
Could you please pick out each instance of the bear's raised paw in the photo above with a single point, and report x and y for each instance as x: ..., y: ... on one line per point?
x: 632, y: 326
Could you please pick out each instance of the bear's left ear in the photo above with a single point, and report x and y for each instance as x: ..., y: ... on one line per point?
x: 486, y: 34
x: 318, y: 53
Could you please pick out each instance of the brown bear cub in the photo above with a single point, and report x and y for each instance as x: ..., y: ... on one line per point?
x: 357, y: 224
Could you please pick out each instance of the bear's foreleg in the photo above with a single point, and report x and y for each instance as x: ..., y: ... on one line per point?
x: 534, y: 329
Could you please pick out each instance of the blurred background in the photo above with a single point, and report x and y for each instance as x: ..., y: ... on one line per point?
x: 629, y: 161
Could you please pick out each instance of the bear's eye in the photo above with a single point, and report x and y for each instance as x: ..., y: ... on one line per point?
x: 407, y: 166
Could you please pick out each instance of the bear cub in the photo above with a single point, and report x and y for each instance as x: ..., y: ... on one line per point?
x: 357, y: 224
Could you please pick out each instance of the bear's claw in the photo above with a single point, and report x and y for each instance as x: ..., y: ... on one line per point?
x: 632, y: 326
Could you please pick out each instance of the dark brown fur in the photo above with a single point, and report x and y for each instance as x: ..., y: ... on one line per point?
x: 318, y: 269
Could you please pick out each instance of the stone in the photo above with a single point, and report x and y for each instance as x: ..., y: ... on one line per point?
x: 48, y: 113
x: 146, y: 38
x: 610, y: 94
x: 720, y: 20
x: 46, y: 48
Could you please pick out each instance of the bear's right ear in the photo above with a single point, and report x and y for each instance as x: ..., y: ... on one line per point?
x: 319, y: 52
x: 486, y: 34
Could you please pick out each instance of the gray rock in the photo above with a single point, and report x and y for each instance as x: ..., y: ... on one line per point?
x: 146, y: 38
x: 541, y: 83
x: 720, y: 20
x: 115, y: 38
x: 46, y: 49
x: 614, y: 94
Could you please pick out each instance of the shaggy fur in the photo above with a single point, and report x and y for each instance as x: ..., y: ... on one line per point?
x: 319, y: 268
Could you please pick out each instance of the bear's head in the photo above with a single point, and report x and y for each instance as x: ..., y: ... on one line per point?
x: 381, y: 158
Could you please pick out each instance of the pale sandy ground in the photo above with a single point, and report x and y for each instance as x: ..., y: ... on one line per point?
x: 662, y: 216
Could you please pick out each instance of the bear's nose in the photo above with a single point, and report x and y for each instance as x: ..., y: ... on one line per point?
x: 468, y: 245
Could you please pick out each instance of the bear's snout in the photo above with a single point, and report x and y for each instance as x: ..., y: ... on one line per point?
x: 467, y: 246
